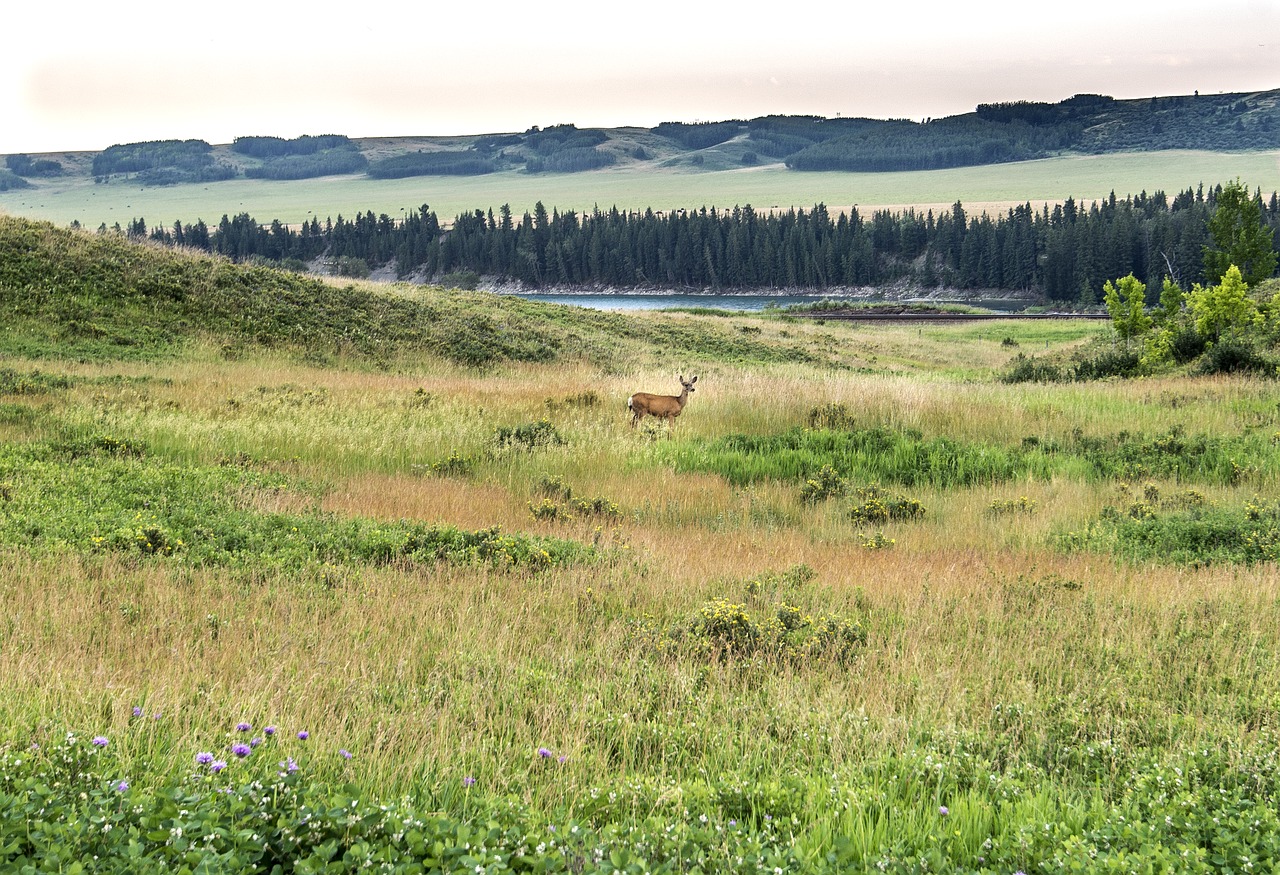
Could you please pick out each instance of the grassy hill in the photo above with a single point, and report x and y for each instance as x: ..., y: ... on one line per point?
x: 74, y: 294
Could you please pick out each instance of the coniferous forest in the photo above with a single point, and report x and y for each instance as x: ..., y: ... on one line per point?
x: 1062, y: 253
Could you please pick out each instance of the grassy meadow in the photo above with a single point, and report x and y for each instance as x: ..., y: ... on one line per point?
x: 639, y: 185
x: 864, y: 608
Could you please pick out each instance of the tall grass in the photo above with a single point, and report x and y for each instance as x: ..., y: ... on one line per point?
x: 1005, y: 676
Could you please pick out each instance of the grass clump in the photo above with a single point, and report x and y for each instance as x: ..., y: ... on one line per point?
x: 1184, y: 532
x: 873, y: 455
x: 1008, y: 506
x: 560, y: 503
x: 31, y: 382
x: 1175, y: 455
x: 100, y: 494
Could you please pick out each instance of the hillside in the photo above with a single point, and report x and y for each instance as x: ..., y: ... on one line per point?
x: 994, y: 133
x: 74, y: 295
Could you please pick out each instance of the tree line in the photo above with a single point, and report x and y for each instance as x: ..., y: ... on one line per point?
x: 1063, y: 253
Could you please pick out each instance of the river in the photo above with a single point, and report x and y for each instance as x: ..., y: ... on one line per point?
x: 742, y: 303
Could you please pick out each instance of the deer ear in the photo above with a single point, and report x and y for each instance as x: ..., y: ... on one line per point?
x: 680, y: 377
x: 694, y: 379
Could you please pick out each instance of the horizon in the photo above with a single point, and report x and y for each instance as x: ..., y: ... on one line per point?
x: 98, y: 78
x: 623, y: 126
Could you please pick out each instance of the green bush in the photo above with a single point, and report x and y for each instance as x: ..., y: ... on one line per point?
x: 529, y: 436
x: 1236, y: 357
x: 1184, y: 535
x: 1029, y: 369
x: 1109, y: 363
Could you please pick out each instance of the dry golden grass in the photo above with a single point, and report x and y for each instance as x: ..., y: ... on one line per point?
x: 432, y: 672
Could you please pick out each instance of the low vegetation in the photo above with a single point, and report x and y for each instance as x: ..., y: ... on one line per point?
x: 294, y: 584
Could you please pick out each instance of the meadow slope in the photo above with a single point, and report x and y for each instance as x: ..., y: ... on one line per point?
x: 993, y: 188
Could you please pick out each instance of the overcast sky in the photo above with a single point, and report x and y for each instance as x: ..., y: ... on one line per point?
x: 85, y: 75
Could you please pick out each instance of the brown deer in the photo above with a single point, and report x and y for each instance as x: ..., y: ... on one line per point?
x: 666, y: 407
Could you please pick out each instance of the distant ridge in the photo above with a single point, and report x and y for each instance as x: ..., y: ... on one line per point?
x: 993, y: 133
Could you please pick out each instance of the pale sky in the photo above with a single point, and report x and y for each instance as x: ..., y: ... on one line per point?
x: 85, y: 74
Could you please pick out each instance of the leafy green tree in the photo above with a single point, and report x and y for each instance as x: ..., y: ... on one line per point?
x: 1126, y: 302
x: 1171, y: 300
x: 1224, y: 309
x: 1239, y: 238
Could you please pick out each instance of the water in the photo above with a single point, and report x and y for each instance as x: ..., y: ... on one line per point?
x: 739, y: 303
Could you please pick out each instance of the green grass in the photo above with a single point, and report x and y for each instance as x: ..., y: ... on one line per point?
x: 99, y: 494
x: 236, y: 519
x: 1085, y: 178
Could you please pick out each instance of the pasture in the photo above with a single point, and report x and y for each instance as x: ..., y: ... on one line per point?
x: 640, y: 185
x: 329, y: 577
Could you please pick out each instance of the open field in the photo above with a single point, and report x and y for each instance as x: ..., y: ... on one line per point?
x: 865, y: 608
x: 637, y: 186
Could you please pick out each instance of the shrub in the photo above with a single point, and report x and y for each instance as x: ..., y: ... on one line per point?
x: 453, y: 465
x: 835, y: 416
x: 1186, y: 343
x: 529, y: 436
x: 1029, y: 369
x: 875, y: 505
x: 1111, y: 363
x: 461, y: 279
x: 349, y: 266
x: 823, y: 485
x: 1021, y: 504
x: 1236, y: 357
x: 727, y: 631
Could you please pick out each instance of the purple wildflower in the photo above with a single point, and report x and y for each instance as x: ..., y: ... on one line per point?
x: 944, y: 810
x: 122, y: 786
x: 99, y: 741
x: 544, y: 753
x: 204, y: 758
x: 241, y: 750
x: 243, y: 727
x: 344, y: 753
x: 254, y: 742
x: 269, y: 731
x: 217, y: 766
x: 468, y: 781
x: 304, y: 735
x: 562, y: 759
x: 288, y: 765
x: 137, y: 710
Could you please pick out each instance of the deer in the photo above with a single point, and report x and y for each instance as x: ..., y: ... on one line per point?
x: 666, y: 407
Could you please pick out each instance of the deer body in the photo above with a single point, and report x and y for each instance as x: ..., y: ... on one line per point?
x: 666, y: 407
